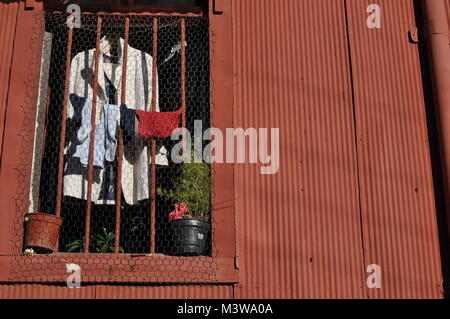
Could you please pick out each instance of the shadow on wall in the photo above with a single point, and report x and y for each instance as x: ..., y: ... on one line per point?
x: 434, y: 152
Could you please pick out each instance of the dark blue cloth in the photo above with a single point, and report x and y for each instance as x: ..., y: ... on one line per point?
x: 128, y: 122
x: 77, y: 103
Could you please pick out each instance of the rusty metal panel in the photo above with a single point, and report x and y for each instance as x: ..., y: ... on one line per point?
x: 8, y: 18
x: 28, y: 291
x: 447, y: 4
x: 165, y: 292
x: 19, y: 291
x: 397, y: 195
x: 298, y: 230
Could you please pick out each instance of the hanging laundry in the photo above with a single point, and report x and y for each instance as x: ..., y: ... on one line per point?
x: 176, y: 49
x: 111, y: 91
x: 158, y: 124
x: 128, y: 123
x: 105, y: 140
x: 136, y: 163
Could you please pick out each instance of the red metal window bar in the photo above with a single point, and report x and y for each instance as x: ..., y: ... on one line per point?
x: 120, y: 149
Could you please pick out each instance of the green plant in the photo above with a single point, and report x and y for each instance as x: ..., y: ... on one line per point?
x: 192, y: 187
x: 139, y: 224
x: 75, y: 246
x: 102, y: 242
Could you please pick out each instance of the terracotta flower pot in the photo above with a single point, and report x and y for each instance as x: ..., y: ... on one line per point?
x: 42, y: 231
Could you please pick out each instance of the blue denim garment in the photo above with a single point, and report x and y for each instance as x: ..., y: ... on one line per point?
x: 105, y: 132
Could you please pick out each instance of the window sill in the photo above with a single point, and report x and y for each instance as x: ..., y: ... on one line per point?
x: 119, y: 268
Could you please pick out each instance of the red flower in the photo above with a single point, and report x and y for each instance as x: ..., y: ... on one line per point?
x: 179, y: 212
x: 183, y: 208
x: 173, y: 216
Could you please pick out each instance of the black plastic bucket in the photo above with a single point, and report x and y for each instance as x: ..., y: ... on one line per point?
x: 189, y: 236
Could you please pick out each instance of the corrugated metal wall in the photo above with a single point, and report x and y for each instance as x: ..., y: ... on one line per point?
x: 448, y: 10
x: 299, y: 230
x: 19, y: 291
x: 115, y: 292
x: 165, y: 292
x: 397, y: 195
x: 354, y: 186
x: 8, y: 18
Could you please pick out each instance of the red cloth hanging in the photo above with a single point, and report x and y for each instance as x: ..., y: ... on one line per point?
x: 158, y: 124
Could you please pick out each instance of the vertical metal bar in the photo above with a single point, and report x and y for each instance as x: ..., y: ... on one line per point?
x: 44, y: 138
x: 62, y: 140
x: 120, y: 146
x: 47, y: 106
x: 183, y: 80
x: 153, y: 163
x: 92, y: 138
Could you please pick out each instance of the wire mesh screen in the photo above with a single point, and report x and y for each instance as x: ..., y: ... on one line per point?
x: 124, y: 193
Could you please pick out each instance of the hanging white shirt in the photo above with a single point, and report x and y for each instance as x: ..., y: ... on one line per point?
x: 136, y: 161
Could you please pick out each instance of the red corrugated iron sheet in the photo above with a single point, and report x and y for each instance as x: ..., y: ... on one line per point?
x: 354, y: 186
x: 397, y: 195
x: 19, y: 291
x: 448, y: 11
x: 115, y: 292
x: 299, y: 230
x: 8, y: 17
x: 165, y: 292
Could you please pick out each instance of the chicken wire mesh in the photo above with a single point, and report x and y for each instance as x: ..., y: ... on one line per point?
x: 112, y: 116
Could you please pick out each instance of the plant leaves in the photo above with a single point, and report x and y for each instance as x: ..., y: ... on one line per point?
x: 192, y: 187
